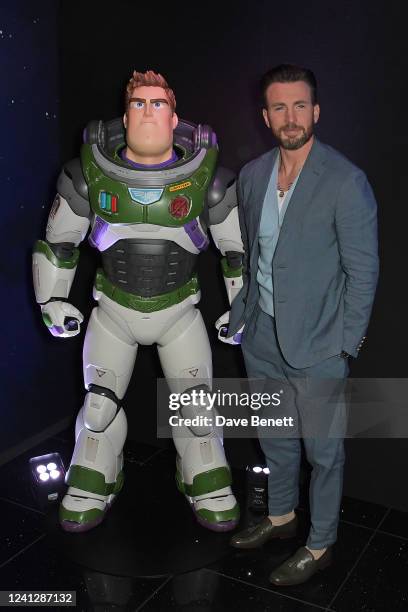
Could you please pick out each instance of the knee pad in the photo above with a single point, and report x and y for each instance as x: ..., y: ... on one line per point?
x: 100, y: 408
x: 198, y: 409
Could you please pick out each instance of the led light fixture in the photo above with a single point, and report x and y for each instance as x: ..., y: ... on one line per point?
x: 47, y: 478
x: 257, y: 487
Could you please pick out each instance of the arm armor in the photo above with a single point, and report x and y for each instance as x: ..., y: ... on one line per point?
x: 55, y: 258
x: 225, y: 230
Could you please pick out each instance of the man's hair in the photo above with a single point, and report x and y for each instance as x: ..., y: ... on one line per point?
x: 288, y: 73
x: 149, y: 79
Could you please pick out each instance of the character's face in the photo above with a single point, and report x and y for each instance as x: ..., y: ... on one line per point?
x: 149, y: 122
x: 290, y: 113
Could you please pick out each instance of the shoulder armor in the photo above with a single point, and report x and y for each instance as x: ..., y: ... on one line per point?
x: 221, y: 196
x: 217, y: 189
x: 72, y: 186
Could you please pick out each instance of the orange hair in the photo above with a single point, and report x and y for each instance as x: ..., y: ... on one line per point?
x: 149, y: 79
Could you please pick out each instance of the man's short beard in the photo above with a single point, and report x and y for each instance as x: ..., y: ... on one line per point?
x: 292, y: 144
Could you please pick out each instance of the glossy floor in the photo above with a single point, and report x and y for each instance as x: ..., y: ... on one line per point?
x: 150, y: 533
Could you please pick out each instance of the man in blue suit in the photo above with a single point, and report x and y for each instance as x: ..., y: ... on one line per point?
x: 309, y: 225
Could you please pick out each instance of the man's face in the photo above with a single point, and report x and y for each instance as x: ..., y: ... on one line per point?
x: 149, y: 122
x: 290, y: 113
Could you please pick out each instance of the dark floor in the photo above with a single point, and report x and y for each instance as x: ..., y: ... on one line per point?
x: 187, y: 567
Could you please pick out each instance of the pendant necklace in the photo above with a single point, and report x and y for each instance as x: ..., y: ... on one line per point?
x: 281, y: 191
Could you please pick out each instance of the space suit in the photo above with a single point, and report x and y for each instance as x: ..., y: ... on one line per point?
x: 149, y: 224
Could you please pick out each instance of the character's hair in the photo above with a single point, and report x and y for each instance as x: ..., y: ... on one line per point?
x: 149, y: 79
x: 288, y: 73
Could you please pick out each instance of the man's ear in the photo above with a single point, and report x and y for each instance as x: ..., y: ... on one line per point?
x: 175, y: 121
x: 125, y: 120
x: 316, y: 113
x: 266, y: 118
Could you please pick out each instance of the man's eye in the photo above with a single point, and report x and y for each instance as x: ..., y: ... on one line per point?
x: 301, y: 105
x: 137, y: 105
x: 157, y: 104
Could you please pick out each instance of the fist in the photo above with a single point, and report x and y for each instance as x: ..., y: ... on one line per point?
x: 62, y: 319
x: 222, y: 326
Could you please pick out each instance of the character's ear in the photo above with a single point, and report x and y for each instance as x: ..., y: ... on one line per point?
x: 316, y: 113
x: 125, y: 120
x: 266, y: 118
x: 175, y: 121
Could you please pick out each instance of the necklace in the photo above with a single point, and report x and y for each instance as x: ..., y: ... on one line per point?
x: 281, y: 191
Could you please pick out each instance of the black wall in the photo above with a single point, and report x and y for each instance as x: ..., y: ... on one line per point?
x: 213, y: 56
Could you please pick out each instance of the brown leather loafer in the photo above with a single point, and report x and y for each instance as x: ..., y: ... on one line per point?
x: 256, y: 536
x: 300, y: 567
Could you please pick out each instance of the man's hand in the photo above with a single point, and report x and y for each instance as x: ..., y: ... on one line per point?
x: 222, y: 325
x: 62, y: 319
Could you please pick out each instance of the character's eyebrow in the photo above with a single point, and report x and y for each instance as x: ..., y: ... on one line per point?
x: 151, y: 101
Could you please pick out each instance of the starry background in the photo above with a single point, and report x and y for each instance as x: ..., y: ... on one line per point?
x: 63, y: 63
x: 35, y: 390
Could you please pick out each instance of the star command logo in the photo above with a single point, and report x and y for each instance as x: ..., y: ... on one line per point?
x: 180, y: 207
x: 145, y: 196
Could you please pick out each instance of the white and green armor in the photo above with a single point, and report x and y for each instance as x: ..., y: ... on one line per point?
x: 149, y: 226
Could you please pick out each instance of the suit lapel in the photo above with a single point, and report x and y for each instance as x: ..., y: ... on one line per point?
x: 303, y: 192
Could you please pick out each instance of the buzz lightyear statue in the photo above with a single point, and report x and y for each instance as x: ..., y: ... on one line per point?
x: 149, y: 189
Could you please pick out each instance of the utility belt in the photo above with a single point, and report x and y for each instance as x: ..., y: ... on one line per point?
x: 145, y: 304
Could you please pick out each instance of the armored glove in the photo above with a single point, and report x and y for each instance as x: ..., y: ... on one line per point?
x: 222, y: 326
x: 62, y: 319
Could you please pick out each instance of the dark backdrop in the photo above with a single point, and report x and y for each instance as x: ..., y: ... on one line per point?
x: 213, y: 57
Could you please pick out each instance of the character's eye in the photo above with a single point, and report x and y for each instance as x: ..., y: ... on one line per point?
x: 157, y: 105
x: 137, y: 104
x: 301, y: 105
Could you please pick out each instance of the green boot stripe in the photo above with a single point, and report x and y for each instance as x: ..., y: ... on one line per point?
x: 219, y: 516
x: 42, y: 247
x: 92, y: 481
x: 86, y: 516
x: 207, y: 482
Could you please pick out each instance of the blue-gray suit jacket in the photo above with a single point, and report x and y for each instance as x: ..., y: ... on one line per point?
x: 325, y: 266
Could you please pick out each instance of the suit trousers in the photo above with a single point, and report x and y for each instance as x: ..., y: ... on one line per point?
x: 312, y: 411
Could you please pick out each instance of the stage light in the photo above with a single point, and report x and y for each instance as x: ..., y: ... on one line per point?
x: 257, y: 487
x: 47, y: 479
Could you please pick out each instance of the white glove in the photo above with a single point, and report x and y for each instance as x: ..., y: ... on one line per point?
x: 62, y: 319
x: 222, y: 325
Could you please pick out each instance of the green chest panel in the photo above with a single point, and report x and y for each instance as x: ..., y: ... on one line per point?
x: 173, y: 205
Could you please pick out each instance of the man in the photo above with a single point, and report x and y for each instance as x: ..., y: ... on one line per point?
x: 149, y: 188
x: 308, y: 220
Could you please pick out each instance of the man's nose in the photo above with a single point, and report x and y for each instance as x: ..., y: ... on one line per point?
x: 148, y: 109
x: 290, y: 115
